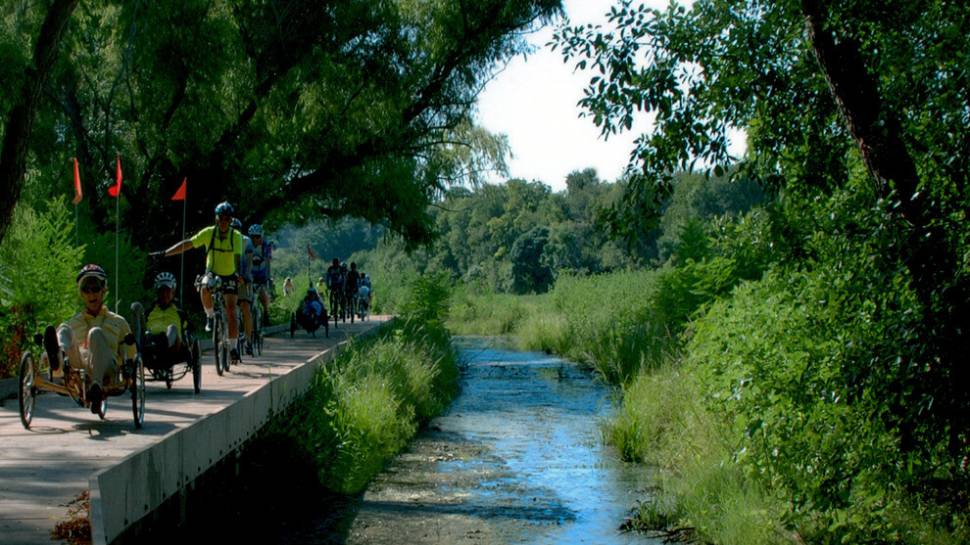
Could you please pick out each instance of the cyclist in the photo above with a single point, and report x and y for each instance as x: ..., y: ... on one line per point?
x: 246, y: 287
x: 163, y: 320
x: 287, y: 287
x: 335, y: 285
x: 311, y: 310
x: 93, y: 339
x: 262, y: 255
x: 366, y: 290
x: 224, y: 250
x: 352, y: 281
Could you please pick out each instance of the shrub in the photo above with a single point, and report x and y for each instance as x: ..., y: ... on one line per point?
x: 368, y: 403
x: 38, y: 263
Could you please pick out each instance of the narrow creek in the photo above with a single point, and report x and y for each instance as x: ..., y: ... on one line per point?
x: 518, y: 458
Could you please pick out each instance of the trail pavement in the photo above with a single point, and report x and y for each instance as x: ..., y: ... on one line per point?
x: 43, y: 469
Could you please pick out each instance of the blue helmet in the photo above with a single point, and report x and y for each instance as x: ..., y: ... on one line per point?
x: 224, y: 209
x: 236, y: 224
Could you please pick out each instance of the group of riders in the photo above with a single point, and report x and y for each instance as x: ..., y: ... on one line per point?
x: 349, y: 290
x: 98, y: 340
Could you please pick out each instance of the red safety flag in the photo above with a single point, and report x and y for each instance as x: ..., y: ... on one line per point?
x: 180, y: 194
x: 310, y: 253
x: 115, y: 190
x: 77, y: 183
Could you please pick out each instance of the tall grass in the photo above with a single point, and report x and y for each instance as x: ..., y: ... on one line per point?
x: 366, y: 405
x: 613, y: 322
x: 662, y: 424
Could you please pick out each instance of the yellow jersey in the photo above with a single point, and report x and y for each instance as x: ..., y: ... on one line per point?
x: 220, y: 258
x: 115, y: 329
x: 160, y: 318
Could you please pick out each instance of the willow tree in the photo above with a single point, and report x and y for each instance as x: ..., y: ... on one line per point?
x: 291, y: 109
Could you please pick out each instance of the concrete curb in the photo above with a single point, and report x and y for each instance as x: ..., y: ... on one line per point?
x: 137, y: 485
x: 8, y: 389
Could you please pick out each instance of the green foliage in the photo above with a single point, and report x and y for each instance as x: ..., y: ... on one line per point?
x: 365, y: 406
x: 100, y: 248
x: 529, y: 274
x: 354, y: 99
x: 38, y: 262
x: 514, y: 237
x: 490, y: 314
x: 427, y: 301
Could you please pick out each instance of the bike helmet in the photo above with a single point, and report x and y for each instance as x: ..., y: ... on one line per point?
x: 225, y: 209
x: 255, y: 230
x: 166, y: 280
x: 236, y: 224
x: 92, y: 270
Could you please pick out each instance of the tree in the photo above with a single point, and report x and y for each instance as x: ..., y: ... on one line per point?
x: 20, y: 118
x: 817, y: 86
x: 529, y: 273
x: 292, y: 109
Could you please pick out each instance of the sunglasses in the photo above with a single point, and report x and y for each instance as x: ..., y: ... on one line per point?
x: 91, y: 288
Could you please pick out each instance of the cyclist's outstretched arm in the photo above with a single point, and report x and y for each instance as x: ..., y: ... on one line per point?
x: 179, y: 248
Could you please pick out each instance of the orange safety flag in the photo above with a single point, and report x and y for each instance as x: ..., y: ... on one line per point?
x: 77, y: 184
x: 180, y: 193
x: 310, y: 253
x: 115, y: 190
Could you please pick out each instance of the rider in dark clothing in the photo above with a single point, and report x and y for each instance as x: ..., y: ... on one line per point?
x: 352, y: 280
x: 334, y: 275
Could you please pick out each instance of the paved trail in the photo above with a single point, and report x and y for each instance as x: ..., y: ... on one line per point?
x: 43, y: 469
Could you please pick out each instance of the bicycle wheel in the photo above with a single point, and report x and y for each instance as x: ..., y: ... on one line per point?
x: 138, y: 393
x: 196, y: 354
x: 217, y: 346
x: 27, y: 394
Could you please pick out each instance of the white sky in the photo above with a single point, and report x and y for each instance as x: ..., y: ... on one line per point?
x: 534, y: 102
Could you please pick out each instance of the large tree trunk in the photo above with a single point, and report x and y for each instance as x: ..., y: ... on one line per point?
x: 931, y: 260
x: 16, y: 136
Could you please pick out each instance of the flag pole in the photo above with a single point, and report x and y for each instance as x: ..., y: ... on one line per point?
x: 182, y: 255
x: 117, y: 244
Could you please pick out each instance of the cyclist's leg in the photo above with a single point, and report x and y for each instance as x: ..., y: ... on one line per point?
x: 247, y: 318
x: 206, y: 297
x: 103, y: 364
x: 264, y: 299
x: 230, y: 299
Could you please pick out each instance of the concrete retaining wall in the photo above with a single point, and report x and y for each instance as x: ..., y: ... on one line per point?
x: 140, y: 483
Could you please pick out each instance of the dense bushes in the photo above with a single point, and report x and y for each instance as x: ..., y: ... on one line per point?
x: 38, y: 261
x: 773, y: 372
x: 366, y: 405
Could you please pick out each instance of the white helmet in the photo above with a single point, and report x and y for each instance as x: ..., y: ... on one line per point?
x: 255, y: 230
x: 165, y: 279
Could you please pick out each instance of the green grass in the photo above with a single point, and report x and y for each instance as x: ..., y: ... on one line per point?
x: 365, y: 406
x: 662, y: 424
x: 604, y: 321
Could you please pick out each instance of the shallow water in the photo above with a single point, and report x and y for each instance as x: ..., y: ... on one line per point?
x: 518, y: 458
